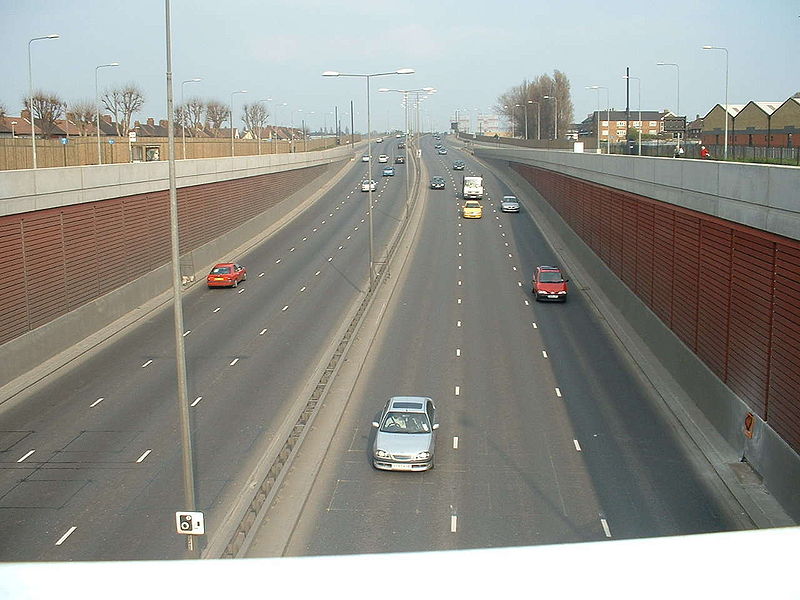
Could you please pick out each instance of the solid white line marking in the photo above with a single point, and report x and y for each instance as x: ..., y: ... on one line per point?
x: 147, y: 363
x: 216, y: 310
x: 187, y: 332
x: 285, y: 308
x: 577, y: 445
x: 96, y: 402
x: 544, y: 353
x: 458, y: 390
x: 233, y: 362
x: 453, y: 523
x: 458, y: 351
x: 262, y: 332
x: 26, y: 456
x: 606, y: 529
x: 65, y: 536
x: 196, y: 401
x: 558, y: 392
x: 143, y: 456
x: 455, y: 442
x: 261, y: 274
x: 303, y: 289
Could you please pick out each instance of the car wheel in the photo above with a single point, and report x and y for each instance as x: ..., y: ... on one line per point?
x: 244, y: 277
x: 235, y: 283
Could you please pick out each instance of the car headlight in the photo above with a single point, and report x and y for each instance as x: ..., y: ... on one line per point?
x: 542, y: 292
x: 422, y: 456
x: 381, y: 454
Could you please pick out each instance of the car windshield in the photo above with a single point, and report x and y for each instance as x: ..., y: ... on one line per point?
x: 472, y: 205
x: 220, y: 270
x: 406, y: 422
x: 550, y: 277
x: 510, y: 199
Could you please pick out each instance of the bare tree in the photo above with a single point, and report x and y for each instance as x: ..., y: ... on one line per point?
x: 84, y: 115
x: 195, y: 109
x: 255, y: 118
x: 542, y: 97
x: 123, y: 102
x: 181, y: 117
x: 216, y: 114
x: 47, y: 108
x: 2, y: 111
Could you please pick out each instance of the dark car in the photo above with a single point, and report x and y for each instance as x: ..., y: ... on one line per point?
x: 459, y: 165
x: 226, y: 275
x: 437, y: 183
x: 400, y: 160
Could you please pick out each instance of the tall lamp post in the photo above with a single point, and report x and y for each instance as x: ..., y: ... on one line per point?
x: 608, y: 115
x: 525, y: 108
x: 538, y: 118
x: 639, y: 87
x: 678, y: 95
x: 232, y: 95
x: 97, y: 108
x: 183, y: 109
x: 726, y: 93
x: 366, y: 77
x: 52, y: 36
x: 555, y: 115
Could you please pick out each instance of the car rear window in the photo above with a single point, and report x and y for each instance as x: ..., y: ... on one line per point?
x: 550, y: 277
x: 219, y: 270
x: 412, y: 405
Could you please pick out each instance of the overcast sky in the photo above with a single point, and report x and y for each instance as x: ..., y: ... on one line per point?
x: 470, y: 51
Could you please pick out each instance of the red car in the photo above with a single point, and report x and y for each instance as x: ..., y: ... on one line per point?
x: 549, y: 284
x: 226, y: 275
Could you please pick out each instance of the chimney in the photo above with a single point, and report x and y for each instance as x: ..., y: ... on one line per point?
x: 151, y: 122
x: 25, y: 114
x: 163, y: 123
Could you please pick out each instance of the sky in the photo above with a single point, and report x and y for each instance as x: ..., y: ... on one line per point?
x: 470, y: 51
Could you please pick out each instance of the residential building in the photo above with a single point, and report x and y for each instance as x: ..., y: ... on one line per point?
x: 615, y: 123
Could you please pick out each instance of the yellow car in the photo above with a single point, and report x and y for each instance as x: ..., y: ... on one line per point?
x: 472, y: 209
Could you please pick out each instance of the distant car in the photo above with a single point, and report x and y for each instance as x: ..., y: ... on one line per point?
x: 388, y: 171
x: 406, y: 436
x: 472, y: 209
x: 399, y: 160
x: 459, y: 165
x: 442, y: 150
x: 368, y: 185
x: 509, y: 204
x: 398, y: 135
x: 378, y: 140
x: 437, y: 183
x: 401, y: 146
x: 548, y: 283
x: 383, y: 158
x: 226, y: 275
x: 365, y: 158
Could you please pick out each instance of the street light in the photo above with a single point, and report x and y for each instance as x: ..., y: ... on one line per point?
x: 538, y: 118
x: 678, y: 97
x: 526, y: 118
x: 52, y: 36
x: 726, y: 93
x: 97, y: 108
x: 183, y: 108
x: 367, y: 77
x: 555, y: 116
x: 608, y: 115
x: 639, y: 85
x: 232, y: 94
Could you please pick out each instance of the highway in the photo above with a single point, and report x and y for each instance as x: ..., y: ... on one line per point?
x: 548, y: 433
x: 90, y: 457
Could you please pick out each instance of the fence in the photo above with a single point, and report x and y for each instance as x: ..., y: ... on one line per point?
x: 16, y: 153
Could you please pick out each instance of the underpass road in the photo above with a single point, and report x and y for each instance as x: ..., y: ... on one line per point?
x: 104, y: 478
x: 548, y: 433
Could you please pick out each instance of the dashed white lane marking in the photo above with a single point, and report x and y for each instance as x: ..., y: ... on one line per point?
x: 240, y: 291
x: 459, y: 300
x: 577, y: 445
x: 558, y: 392
x: 330, y: 258
x: 314, y: 229
x: 278, y: 261
x: 262, y: 332
x: 458, y: 390
x: 459, y: 255
x: 340, y: 247
x: 291, y: 249
x: 544, y: 353
x: 519, y: 283
x: 233, y: 362
x: 606, y: 529
x: 196, y: 401
x: 455, y: 442
x: 187, y: 332
x: 323, y: 222
x: 348, y: 237
x: 64, y: 537
x: 459, y: 267
x: 305, y: 238
x: 147, y: 363
x: 26, y: 456
x: 317, y: 273
x: 458, y: 323
x: 453, y: 523
x: 509, y: 256
x: 216, y: 310
x: 303, y: 289
x: 459, y: 283
x: 506, y: 243
x: 355, y: 228
x: 285, y: 308
x: 534, y: 325
x: 261, y: 274
x: 514, y: 268
x: 458, y: 351
x: 96, y: 402
x: 143, y: 456
x: 527, y: 303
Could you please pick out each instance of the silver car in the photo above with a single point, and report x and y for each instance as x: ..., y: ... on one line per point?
x: 406, y: 435
x: 509, y: 204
